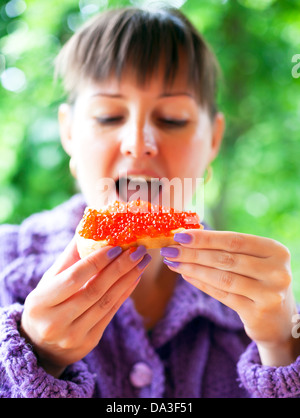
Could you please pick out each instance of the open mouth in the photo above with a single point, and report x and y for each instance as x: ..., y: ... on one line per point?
x: 139, y: 187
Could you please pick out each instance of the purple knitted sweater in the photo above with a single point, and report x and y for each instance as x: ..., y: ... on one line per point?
x: 199, y: 349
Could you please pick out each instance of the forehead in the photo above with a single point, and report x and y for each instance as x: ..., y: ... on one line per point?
x: 154, y: 84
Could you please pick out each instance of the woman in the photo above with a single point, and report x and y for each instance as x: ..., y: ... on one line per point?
x: 119, y: 324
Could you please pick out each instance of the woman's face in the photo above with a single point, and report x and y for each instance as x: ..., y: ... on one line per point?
x: 118, y: 129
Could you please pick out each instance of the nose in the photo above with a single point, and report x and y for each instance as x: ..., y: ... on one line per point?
x: 138, y: 141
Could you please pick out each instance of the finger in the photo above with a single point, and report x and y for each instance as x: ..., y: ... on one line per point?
x: 228, y: 241
x: 224, y: 280
x: 106, y: 286
x: 101, y: 282
x: 255, y: 267
x: 95, y: 333
x: 241, y: 304
x: 66, y: 259
x: 57, y: 288
x: 106, y: 306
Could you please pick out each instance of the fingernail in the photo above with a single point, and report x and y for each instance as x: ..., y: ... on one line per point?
x: 138, y: 253
x: 143, y: 263
x: 183, y: 238
x: 114, y: 252
x: 173, y: 264
x: 169, y: 252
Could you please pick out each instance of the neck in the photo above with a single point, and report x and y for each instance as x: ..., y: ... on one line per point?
x: 154, y: 291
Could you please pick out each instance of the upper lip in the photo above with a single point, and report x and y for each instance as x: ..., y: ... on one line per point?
x: 148, y: 174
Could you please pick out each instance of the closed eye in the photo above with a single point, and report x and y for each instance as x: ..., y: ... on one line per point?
x: 109, y: 120
x: 173, y: 123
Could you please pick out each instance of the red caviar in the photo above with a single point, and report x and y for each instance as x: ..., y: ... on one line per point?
x: 123, y: 223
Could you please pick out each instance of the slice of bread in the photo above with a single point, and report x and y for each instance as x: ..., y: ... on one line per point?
x: 87, y: 245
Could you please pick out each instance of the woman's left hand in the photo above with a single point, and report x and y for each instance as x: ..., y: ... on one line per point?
x: 251, y: 275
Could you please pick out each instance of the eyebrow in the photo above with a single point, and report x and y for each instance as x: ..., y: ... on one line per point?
x: 113, y: 95
x: 120, y: 96
x: 180, y: 93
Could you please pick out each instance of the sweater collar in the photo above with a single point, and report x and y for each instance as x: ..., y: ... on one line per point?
x: 189, y: 303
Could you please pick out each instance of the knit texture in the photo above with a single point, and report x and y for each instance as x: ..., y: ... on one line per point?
x: 199, y: 348
x: 20, y: 375
x: 265, y: 381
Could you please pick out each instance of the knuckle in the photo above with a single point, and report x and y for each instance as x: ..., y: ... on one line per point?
x: 91, y: 290
x: 68, y: 342
x: 119, y: 267
x: 277, y: 300
x: 225, y: 280
x: 281, y: 247
x: 272, y: 302
x: 205, y: 240
x: 287, y: 279
x: 47, y: 331
x: 226, y: 260
x: 31, y: 305
x: 93, y: 262
x: 286, y: 254
x: 115, y: 308
x: 72, y: 278
x: 282, y: 251
x: 236, y: 242
x: 281, y: 279
x: 105, y: 302
x: 284, y: 279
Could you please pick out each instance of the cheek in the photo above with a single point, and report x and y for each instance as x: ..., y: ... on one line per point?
x: 90, y: 150
x: 93, y: 158
x: 186, y: 163
x: 189, y: 153
x: 188, y: 159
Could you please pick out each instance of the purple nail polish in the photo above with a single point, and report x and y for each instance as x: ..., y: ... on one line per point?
x: 138, y: 253
x: 183, y: 238
x: 143, y: 263
x: 114, y: 252
x: 169, y: 263
x: 169, y: 252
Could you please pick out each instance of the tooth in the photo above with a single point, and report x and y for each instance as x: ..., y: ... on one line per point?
x: 140, y: 177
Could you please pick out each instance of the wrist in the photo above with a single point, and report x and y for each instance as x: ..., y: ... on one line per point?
x: 49, y: 367
x: 282, y: 354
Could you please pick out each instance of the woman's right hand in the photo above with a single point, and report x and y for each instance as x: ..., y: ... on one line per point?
x: 65, y: 316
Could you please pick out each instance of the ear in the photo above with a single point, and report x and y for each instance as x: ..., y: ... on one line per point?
x: 65, y: 123
x: 218, y: 129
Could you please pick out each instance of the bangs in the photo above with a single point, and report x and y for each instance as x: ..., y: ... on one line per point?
x: 139, y: 41
x: 143, y: 43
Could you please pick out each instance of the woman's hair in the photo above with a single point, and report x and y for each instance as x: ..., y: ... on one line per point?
x: 139, y: 40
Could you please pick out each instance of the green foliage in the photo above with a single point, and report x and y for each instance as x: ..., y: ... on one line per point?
x: 255, y: 188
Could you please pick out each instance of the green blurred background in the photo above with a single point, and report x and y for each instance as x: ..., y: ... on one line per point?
x: 255, y: 188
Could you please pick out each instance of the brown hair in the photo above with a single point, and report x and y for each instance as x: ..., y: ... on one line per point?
x: 140, y: 39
